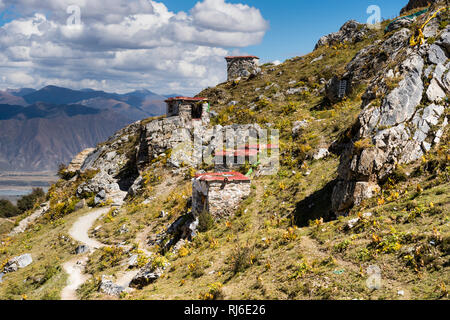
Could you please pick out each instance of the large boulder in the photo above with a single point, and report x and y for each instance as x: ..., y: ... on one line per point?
x: 108, y: 287
x: 82, y: 249
x: 100, y: 197
x: 18, y: 263
x: 351, y: 32
x: 147, y: 275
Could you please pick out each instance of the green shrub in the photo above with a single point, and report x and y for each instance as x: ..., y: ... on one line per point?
x: 7, y: 209
x: 242, y: 258
x: 64, y: 174
x: 205, y: 221
x: 28, y: 202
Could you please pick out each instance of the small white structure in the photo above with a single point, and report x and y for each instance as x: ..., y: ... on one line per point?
x: 242, y: 66
x: 219, y: 193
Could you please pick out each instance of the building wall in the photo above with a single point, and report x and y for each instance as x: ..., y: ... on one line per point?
x: 241, y: 68
x: 199, y: 196
x: 184, y: 110
x: 222, y: 199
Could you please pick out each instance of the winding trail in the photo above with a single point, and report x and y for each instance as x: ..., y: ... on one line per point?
x: 80, y: 229
x: 75, y: 267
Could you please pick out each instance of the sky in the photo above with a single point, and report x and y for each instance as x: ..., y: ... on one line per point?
x: 166, y: 46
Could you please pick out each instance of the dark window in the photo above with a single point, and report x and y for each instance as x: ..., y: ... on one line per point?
x: 197, y: 111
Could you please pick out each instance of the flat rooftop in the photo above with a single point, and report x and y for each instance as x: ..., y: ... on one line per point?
x: 186, y: 99
x: 222, y: 176
x: 237, y: 153
x: 241, y: 57
x: 260, y: 146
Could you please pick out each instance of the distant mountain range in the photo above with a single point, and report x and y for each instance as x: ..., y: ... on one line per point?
x: 41, y: 128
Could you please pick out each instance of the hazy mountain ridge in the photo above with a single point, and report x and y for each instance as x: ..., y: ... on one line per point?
x: 41, y: 139
x: 41, y: 128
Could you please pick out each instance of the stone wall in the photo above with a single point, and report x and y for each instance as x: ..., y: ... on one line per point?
x: 242, y: 67
x: 184, y: 110
x: 221, y: 199
x: 160, y: 135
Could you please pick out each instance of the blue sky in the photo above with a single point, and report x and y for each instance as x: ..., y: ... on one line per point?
x: 296, y: 25
x: 165, y: 46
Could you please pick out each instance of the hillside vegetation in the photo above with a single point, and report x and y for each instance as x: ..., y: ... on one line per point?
x: 284, y: 241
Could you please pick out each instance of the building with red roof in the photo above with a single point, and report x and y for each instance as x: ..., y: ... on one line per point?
x: 219, y: 193
x: 189, y: 108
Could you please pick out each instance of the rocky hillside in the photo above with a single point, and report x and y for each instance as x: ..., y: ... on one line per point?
x: 358, y: 209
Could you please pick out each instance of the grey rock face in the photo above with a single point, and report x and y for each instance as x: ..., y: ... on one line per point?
x: 110, y: 288
x: 444, y: 40
x: 400, y: 104
x: 435, y: 92
x: 321, y: 154
x: 292, y: 91
x: 298, y: 127
x: 317, y: 59
x: 441, y: 75
x: 400, y: 23
x: 351, y: 31
x: 146, y: 276
x: 109, y: 160
x: 436, y: 55
x: 242, y: 68
x: 133, y: 261
x: 401, y: 130
x: 100, y: 197
x: 82, y: 249
x: 18, y: 263
x: 80, y: 205
x: 124, y: 229
x: 370, y: 60
x: 78, y: 160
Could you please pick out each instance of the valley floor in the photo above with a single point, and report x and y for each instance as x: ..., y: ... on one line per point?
x: 14, y: 185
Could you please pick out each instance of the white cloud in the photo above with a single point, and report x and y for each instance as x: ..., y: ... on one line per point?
x: 124, y: 44
x: 20, y: 78
x: 222, y: 16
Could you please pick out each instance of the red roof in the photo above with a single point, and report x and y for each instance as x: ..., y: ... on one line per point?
x: 237, y: 153
x: 260, y: 147
x: 186, y: 99
x: 222, y: 176
x: 241, y: 57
